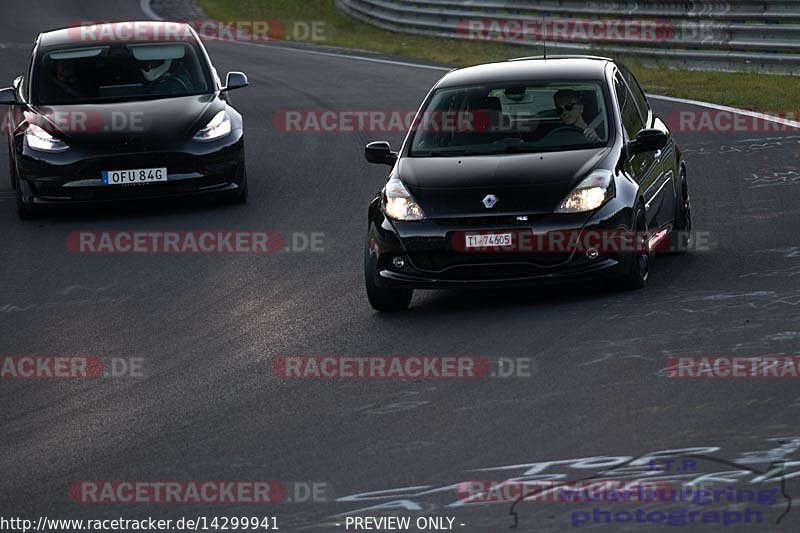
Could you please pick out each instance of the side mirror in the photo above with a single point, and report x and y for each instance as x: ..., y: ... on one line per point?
x: 380, y: 152
x: 235, y: 80
x: 8, y: 96
x: 649, y: 141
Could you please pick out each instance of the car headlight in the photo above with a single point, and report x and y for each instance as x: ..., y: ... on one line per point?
x: 398, y: 202
x: 590, y: 193
x: 219, y: 127
x: 38, y: 139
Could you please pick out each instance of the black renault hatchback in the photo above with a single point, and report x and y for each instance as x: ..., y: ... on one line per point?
x: 531, y: 171
x: 119, y: 111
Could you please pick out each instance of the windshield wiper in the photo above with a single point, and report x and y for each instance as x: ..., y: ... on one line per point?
x: 440, y: 153
x: 511, y: 149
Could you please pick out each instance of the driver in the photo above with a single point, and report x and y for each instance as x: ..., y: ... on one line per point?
x: 67, y: 79
x: 154, y: 70
x: 570, y: 109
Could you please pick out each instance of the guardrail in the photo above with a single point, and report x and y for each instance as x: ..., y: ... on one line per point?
x: 760, y: 36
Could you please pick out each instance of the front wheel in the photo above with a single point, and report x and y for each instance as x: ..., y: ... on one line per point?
x: 639, y: 271
x: 681, y: 236
x: 381, y: 298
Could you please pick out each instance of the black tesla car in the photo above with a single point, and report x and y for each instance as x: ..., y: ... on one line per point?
x: 119, y: 111
x: 531, y: 171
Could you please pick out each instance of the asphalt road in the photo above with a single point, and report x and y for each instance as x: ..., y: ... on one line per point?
x: 207, y: 328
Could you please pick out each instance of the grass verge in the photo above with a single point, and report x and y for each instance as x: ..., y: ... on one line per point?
x: 760, y: 92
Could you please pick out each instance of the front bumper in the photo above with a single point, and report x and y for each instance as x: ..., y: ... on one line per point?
x: 74, y: 177
x: 432, y: 260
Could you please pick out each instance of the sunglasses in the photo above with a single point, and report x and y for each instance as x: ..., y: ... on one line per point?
x: 567, y: 107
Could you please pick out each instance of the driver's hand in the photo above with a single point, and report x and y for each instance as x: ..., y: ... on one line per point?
x: 590, y: 134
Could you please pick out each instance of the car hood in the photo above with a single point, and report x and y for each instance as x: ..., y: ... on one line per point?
x: 522, y: 183
x: 152, y: 122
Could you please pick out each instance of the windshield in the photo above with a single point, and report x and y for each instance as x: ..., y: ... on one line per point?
x: 118, y: 73
x: 512, y: 119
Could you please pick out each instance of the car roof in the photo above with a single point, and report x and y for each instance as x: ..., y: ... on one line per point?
x: 553, y: 68
x: 147, y: 31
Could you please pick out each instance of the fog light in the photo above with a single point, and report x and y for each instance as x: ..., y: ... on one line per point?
x: 398, y: 262
x: 592, y: 253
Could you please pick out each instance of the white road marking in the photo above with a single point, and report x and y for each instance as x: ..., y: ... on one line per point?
x: 753, y: 114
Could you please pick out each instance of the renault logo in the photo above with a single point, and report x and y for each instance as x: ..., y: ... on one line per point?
x: 490, y: 201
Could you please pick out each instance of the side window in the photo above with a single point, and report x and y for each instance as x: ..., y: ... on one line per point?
x: 632, y: 121
x: 638, y: 93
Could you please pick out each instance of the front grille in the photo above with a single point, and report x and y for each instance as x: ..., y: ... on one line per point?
x: 480, y: 221
x: 54, y: 190
x: 487, y: 263
x: 177, y: 163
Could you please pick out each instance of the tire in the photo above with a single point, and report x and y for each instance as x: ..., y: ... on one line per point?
x: 380, y: 298
x: 639, y: 271
x: 681, y: 235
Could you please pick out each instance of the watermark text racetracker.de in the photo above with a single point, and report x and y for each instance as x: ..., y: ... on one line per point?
x: 76, y: 119
x: 580, y: 491
x: 565, y: 29
x: 733, y: 121
x: 617, y: 241
x: 194, y: 242
x: 379, y: 121
x: 529, y: 30
x: 401, y: 367
x: 69, y: 367
x: 239, y: 30
x: 198, y: 492
x: 733, y: 367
